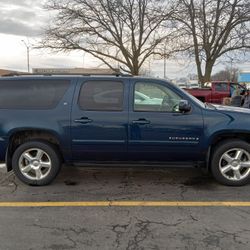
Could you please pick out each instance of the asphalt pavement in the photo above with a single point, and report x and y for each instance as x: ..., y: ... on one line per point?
x: 123, y: 227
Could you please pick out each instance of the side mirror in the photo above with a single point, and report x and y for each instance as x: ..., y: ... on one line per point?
x: 184, y: 106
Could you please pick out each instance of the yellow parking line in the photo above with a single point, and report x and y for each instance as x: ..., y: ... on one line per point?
x: 128, y: 204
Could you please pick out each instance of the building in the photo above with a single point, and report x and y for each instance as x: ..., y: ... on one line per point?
x: 244, y: 78
x: 93, y: 71
x: 4, y: 72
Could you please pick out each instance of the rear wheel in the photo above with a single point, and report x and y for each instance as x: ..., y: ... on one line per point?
x: 231, y: 163
x: 36, y: 163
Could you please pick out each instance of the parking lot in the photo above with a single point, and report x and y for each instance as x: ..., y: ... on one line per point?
x: 123, y: 227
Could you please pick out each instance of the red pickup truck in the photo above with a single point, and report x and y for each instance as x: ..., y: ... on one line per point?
x: 215, y: 91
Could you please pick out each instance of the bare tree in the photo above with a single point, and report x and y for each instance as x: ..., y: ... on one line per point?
x: 209, y: 29
x: 114, y: 31
x: 228, y: 74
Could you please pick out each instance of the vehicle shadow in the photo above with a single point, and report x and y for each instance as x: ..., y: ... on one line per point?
x: 105, y: 183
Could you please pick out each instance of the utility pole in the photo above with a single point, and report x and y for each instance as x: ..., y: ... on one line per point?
x: 28, y: 55
x: 83, y: 59
x: 164, y: 61
x: 231, y: 70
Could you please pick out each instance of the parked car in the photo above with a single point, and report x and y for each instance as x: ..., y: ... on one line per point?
x: 193, y: 86
x: 214, y: 92
x: 141, y: 98
x: 49, y: 120
x: 182, y: 85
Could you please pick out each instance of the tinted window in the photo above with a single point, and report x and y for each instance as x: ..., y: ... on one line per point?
x: 221, y: 87
x: 31, y: 94
x: 156, y: 98
x: 101, y: 96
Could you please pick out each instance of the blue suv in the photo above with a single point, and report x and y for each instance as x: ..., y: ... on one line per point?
x: 49, y: 120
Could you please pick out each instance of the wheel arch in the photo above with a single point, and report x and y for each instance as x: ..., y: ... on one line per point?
x: 222, y: 136
x: 18, y: 137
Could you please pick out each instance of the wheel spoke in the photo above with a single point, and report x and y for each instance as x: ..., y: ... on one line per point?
x: 234, y: 164
x: 39, y: 154
x: 245, y: 164
x: 35, y: 164
x: 26, y: 169
x: 28, y: 157
x: 226, y: 168
x: 237, y: 174
x: 239, y: 154
x: 38, y: 174
x: 45, y: 164
x: 227, y: 158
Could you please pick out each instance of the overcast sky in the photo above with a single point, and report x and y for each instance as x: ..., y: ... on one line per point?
x: 25, y: 20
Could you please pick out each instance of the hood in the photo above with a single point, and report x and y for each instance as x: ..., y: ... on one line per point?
x: 232, y: 109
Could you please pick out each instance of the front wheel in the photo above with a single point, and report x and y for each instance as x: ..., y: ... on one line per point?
x: 230, y: 163
x: 36, y: 163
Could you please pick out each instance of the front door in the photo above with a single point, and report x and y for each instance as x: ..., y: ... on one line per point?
x: 157, y: 130
x: 99, y: 121
x: 221, y: 90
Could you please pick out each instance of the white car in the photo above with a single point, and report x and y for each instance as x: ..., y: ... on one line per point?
x: 193, y: 86
x: 141, y: 98
x: 182, y: 85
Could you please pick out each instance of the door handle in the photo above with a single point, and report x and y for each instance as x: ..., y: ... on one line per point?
x: 83, y: 120
x: 141, y: 121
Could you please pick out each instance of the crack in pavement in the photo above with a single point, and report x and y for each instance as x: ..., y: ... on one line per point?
x: 120, y: 230
x: 75, y: 231
x: 14, y: 184
x: 6, y: 177
x: 242, y: 210
x: 144, y: 232
x: 11, y: 185
x: 215, y: 236
x: 66, y: 232
x: 183, y: 191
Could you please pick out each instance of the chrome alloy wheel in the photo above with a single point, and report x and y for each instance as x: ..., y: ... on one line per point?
x: 234, y: 164
x: 35, y: 164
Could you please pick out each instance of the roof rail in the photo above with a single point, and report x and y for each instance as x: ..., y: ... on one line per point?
x: 66, y: 74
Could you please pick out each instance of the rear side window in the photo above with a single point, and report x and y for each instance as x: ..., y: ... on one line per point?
x: 31, y: 94
x: 101, y: 96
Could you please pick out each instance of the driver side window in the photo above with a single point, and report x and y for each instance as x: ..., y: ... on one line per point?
x: 154, y: 97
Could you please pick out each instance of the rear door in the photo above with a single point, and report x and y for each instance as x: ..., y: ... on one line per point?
x: 99, y: 120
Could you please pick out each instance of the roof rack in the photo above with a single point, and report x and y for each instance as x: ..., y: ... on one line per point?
x: 66, y: 74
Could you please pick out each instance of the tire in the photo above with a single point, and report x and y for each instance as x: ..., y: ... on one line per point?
x: 227, y: 165
x: 36, y: 163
